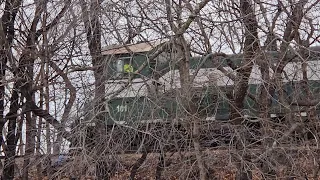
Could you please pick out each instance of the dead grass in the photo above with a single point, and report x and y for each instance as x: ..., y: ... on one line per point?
x: 303, y: 163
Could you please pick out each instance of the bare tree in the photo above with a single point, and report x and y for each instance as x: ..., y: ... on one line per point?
x: 236, y: 75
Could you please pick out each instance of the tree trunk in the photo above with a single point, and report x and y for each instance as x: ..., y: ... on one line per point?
x: 38, y: 147
x: 93, y: 28
x: 30, y: 144
x: 6, y: 38
x: 188, y: 105
x: 160, y: 166
x: 251, y: 47
x: 138, y: 163
x: 10, y: 150
x: 49, y: 135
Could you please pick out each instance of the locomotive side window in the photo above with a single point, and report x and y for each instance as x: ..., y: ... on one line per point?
x: 119, y: 67
x: 123, y: 67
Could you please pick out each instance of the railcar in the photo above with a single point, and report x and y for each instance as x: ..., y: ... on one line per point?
x: 143, y: 90
x: 211, y: 91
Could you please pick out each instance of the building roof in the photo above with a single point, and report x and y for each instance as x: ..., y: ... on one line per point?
x: 130, y: 48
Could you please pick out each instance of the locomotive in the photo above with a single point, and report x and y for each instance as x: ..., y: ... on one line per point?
x: 142, y: 101
x: 142, y: 94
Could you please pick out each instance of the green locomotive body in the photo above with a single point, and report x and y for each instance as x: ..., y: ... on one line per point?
x: 212, y: 100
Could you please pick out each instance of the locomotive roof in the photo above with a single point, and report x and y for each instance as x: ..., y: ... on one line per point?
x: 149, y: 46
x: 130, y: 48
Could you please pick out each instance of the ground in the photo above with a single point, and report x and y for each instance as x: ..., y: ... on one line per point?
x: 299, y: 163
